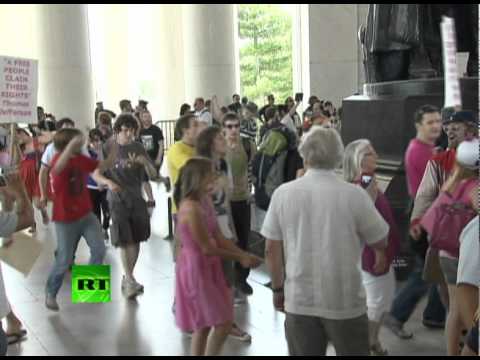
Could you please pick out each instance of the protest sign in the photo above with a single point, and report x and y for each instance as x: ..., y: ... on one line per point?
x: 18, y: 90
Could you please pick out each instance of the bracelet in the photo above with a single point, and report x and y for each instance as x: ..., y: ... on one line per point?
x: 277, y: 290
x: 151, y: 203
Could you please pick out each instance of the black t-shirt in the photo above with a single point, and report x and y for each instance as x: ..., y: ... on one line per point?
x: 236, y: 107
x: 261, y: 112
x: 150, y: 138
x: 293, y: 163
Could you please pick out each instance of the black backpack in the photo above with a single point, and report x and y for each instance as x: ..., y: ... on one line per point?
x: 269, y: 165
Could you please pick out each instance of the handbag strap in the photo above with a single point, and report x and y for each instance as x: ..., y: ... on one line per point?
x: 465, y: 186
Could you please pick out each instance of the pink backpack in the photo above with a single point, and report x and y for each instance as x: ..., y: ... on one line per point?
x: 447, y: 217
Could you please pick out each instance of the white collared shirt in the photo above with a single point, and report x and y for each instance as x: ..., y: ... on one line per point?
x: 324, y: 223
x: 469, y: 260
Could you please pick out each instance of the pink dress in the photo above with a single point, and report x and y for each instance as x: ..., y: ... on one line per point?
x: 202, y: 296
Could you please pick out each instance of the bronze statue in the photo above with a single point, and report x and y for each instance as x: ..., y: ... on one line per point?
x: 403, y: 41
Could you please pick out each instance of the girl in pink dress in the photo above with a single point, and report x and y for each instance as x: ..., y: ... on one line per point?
x: 204, y: 301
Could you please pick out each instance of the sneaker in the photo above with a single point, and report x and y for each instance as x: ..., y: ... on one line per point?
x: 245, y: 288
x: 377, y: 350
x: 136, y: 284
x: 238, y: 334
x: 433, y: 324
x: 105, y: 235
x: 51, y: 302
x: 396, y: 327
x: 131, y: 289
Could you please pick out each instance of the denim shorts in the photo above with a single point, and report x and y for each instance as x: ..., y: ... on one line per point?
x: 449, y: 269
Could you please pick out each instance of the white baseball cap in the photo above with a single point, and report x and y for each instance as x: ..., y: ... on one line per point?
x: 468, y: 154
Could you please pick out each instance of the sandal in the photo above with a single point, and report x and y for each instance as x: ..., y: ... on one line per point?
x: 239, y: 334
x: 16, y: 337
x: 378, y: 350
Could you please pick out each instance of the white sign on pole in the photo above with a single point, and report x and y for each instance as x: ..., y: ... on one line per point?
x: 18, y: 90
x: 449, y: 45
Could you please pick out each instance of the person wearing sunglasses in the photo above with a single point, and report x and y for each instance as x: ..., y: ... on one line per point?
x: 240, y: 152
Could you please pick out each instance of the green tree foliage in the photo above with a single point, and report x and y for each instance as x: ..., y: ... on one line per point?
x: 265, y: 33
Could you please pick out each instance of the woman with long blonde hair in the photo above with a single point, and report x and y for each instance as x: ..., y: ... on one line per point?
x: 204, y: 303
x: 462, y: 186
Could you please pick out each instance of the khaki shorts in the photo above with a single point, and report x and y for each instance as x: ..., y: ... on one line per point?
x: 310, y: 335
x: 130, y: 225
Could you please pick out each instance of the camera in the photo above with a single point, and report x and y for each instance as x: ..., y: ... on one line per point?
x: 366, y: 180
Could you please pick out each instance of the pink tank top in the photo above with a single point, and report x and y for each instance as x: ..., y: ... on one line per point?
x: 187, y: 238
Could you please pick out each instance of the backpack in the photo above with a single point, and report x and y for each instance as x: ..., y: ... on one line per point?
x: 246, y: 143
x: 269, y: 164
x: 447, y: 217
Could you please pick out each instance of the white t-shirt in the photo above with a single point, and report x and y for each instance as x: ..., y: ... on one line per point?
x: 469, y: 260
x: 324, y: 224
x: 289, y: 123
x: 205, y: 117
x: 50, y: 152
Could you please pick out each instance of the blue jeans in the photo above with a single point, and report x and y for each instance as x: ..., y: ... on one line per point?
x: 410, y: 295
x: 68, y: 236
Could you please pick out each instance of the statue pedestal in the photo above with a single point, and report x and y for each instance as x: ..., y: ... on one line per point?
x: 384, y: 113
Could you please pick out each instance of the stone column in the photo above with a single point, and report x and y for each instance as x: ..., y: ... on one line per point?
x: 65, y: 77
x: 209, y: 51
x: 333, y: 49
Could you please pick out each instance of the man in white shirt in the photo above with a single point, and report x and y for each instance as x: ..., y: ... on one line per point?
x: 316, y: 227
x: 204, y: 116
x: 288, y: 118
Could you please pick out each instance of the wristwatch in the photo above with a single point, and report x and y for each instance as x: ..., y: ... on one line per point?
x: 277, y: 290
x: 151, y: 203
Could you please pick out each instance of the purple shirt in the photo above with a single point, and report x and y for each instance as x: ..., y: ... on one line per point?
x: 393, y: 241
x: 416, y: 159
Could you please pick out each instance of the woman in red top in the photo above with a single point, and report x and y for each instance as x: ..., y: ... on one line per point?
x: 31, y: 151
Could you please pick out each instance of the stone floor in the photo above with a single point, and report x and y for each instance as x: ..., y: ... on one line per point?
x: 146, y: 326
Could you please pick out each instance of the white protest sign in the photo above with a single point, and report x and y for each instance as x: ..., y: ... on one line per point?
x: 18, y: 90
x: 449, y: 46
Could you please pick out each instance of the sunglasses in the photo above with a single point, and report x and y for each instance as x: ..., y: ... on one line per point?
x: 236, y: 126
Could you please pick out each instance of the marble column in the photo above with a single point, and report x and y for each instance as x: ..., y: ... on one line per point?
x: 209, y: 51
x: 65, y: 77
x: 333, y: 49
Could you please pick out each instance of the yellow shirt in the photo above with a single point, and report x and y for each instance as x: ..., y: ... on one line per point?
x: 178, y: 154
